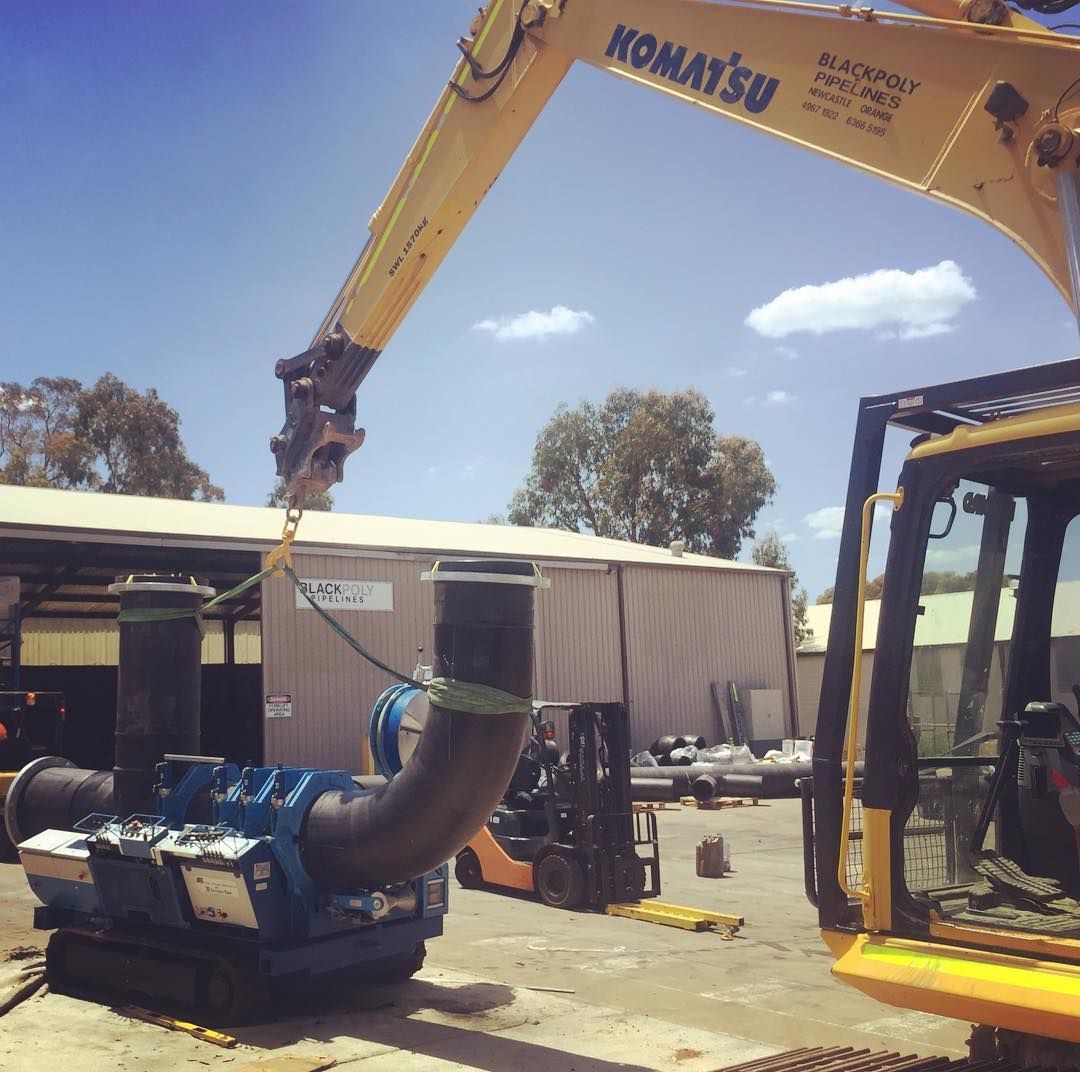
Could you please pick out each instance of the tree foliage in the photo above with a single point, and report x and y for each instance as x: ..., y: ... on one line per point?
x: 647, y: 467
x: 108, y: 437
x: 934, y: 582
x: 313, y: 500
x: 771, y: 551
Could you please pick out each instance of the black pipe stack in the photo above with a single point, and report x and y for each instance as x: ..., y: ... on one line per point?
x: 159, y: 683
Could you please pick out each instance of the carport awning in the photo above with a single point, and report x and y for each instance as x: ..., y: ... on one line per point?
x: 70, y: 579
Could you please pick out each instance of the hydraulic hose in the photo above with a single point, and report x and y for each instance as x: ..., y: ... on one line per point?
x: 452, y: 782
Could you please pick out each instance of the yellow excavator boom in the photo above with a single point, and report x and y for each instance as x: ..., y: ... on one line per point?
x: 978, y: 115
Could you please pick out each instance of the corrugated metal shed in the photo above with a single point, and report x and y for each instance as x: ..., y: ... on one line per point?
x: 71, y: 642
x: 946, y: 617
x: 941, y: 633
x: 687, y: 629
x: 620, y: 622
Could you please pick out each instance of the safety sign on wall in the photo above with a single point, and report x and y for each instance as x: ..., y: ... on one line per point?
x: 345, y: 595
x: 279, y: 705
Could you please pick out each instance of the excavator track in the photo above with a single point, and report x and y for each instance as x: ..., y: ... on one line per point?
x: 218, y: 985
x: 849, y: 1059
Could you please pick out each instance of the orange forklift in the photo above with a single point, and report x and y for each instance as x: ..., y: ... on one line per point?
x: 566, y: 829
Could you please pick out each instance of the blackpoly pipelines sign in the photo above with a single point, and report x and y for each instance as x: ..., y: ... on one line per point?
x: 345, y: 595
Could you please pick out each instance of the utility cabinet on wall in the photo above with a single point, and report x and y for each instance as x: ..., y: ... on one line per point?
x: 765, y: 713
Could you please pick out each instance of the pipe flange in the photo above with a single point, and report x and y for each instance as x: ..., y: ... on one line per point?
x: 162, y: 586
x: 18, y: 788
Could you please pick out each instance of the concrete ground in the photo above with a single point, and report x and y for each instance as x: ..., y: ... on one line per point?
x: 641, y: 996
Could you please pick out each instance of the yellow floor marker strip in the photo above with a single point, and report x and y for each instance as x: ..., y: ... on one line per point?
x: 670, y: 915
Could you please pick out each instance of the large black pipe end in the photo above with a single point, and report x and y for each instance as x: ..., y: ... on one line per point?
x: 51, y: 793
x: 159, y: 681
x: 484, y: 623
x: 452, y: 782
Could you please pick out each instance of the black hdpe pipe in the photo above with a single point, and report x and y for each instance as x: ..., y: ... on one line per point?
x: 53, y: 794
x: 158, y: 699
x: 680, y: 778
x: 707, y: 786
x: 463, y: 763
x: 777, y: 780
x: 159, y: 684
x: 653, y: 789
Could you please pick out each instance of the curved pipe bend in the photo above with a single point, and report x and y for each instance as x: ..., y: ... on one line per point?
x: 423, y: 816
x: 462, y: 765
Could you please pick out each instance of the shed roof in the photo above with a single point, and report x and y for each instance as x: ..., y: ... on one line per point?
x: 946, y: 617
x: 97, y: 517
x: 66, y: 546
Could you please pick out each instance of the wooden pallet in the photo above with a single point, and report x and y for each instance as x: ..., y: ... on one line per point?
x: 655, y: 805
x: 719, y: 802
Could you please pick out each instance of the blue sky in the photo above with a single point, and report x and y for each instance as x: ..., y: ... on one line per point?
x: 186, y: 186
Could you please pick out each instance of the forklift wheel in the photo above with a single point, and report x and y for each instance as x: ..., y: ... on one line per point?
x: 560, y: 880
x: 467, y: 870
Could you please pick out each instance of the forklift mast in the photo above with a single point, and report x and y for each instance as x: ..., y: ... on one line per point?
x: 608, y: 833
x: 600, y: 745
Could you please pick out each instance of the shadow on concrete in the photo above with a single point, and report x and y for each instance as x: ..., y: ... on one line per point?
x: 381, y: 1020
x: 345, y: 999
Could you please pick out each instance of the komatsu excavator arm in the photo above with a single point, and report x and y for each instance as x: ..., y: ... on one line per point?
x: 969, y: 103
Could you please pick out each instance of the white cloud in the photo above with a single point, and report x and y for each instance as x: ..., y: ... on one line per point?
x: 826, y: 523
x: 952, y: 556
x: 734, y: 371
x: 535, y: 324
x: 786, y: 351
x: 779, y: 398
x: 905, y: 305
x: 773, y: 398
x: 470, y: 470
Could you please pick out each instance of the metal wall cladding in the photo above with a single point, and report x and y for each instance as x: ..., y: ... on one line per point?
x: 331, y: 686
x: 333, y: 689
x: 577, y: 636
x: 76, y: 642
x: 577, y: 642
x: 687, y: 627
x: 809, y: 669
